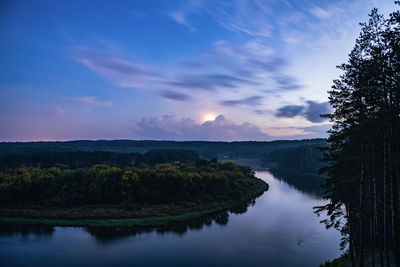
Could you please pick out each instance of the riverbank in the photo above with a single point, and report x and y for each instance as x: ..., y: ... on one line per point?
x: 122, y: 215
x: 342, y: 261
x: 345, y: 261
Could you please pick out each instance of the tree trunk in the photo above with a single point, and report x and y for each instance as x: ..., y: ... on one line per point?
x: 394, y: 202
x: 371, y: 221
x: 385, y: 234
x: 351, y: 242
x: 361, y: 262
x: 378, y: 228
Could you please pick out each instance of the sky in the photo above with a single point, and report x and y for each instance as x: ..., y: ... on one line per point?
x: 173, y: 70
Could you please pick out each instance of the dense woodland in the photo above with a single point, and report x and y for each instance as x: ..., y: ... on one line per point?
x: 304, y: 159
x: 363, y: 158
x: 80, y: 159
x: 190, y: 179
x: 208, y: 150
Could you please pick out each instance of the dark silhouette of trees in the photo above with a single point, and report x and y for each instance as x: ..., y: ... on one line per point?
x: 363, y: 157
x: 103, y: 184
x: 304, y: 159
x: 153, y: 157
x: 67, y: 159
x: 80, y: 159
x: 208, y: 150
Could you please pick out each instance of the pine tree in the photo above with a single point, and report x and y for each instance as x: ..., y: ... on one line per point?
x: 363, y: 163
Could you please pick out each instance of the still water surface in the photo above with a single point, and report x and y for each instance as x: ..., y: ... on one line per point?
x: 279, y: 229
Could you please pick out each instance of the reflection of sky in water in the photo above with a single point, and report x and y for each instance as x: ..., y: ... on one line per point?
x: 279, y: 230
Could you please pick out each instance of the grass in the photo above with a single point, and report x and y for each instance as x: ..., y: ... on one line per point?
x: 137, y: 222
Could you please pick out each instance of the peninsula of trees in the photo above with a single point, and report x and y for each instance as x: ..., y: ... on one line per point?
x: 157, y: 183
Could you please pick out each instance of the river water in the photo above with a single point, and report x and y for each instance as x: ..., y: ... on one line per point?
x: 279, y: 229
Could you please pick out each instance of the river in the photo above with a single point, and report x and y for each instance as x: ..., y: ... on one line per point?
x: 278, y: 229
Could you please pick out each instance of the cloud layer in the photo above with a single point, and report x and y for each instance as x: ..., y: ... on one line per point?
x: 175, y: 128
x: 245, y: 72
x: 249, y: 101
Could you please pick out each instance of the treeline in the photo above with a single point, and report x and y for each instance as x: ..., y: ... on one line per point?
x: 232, y: 150
x: 101, y: 184
x: 80, y: 159
x: 304, y: 159
x: 364, y: 153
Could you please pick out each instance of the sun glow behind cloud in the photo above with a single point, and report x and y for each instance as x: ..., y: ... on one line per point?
x: 209, y: 117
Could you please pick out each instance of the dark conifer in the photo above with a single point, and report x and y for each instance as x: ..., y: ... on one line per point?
x: 363, y: 154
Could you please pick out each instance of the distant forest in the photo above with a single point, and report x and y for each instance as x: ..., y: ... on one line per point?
x: 207, y: 150
x: 81, y: 159
x: 299, y: 166
x: 305, y: 159
x: 294, y: 155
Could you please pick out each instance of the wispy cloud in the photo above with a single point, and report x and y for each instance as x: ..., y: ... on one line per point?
x: 91, y: 101
x: 257, y: 18
x: 210, y: 82
x: 56, y: 111
x: 181, y: 15
x: 250, y: 17
x: 286, y: 82
x: 249, y: 101
x: 231, y: 70
x: 321, y: 13
x: 260, y: 111
x: 172, y: 95
x: 294, y: 21
x: 121, y: 70
x: 270, y: 64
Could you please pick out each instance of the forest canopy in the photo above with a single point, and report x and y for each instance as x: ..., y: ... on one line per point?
x: 201, y: 181
x: 80, y: 159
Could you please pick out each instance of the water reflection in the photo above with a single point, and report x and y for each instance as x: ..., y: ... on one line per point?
x: 180, y: 228
x: 105, y: 235
x: 26, y: 230
x: 308, y: 184
x: 277, y: 229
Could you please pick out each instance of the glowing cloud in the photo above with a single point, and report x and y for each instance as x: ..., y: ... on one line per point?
x: 209, y: 117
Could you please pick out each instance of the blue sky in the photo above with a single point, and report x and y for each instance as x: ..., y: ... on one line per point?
x: 172, y: 70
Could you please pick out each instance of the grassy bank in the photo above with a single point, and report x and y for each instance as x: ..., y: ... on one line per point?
x: 121, y: 215
x: 134, y: 222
